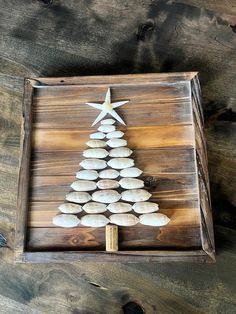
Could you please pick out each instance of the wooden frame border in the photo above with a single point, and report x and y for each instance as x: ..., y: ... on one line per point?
x: 207, y: 254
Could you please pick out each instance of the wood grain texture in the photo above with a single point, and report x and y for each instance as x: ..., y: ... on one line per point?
x: 151, y: 161
x: 172, y: 103
x: 173, y: 140
x: 43, y: 216
x: 207, y: 235
x: 163, y: 186
x: 191, y: 34
x: 132, y: 238
x: 23, y: 183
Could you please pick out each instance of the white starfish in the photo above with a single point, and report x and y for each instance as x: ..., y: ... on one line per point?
x: 107, y: 108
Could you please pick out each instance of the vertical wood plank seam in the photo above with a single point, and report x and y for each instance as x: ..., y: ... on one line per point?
x: 23, y: 178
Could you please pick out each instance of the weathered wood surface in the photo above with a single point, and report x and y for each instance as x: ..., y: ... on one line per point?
x: 154, y: 133
x: 172, y: 36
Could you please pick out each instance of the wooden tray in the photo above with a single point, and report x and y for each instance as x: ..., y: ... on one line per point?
x: 164, y: 127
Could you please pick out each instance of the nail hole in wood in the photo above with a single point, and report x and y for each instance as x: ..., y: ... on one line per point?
x: 62, y: 81
x: 132, y: 308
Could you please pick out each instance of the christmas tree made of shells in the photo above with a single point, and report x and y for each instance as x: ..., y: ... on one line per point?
x: 108, y: 189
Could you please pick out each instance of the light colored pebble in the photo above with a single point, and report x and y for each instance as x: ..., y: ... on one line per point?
x: 115, y: 134
x: 131, y: 183
x: 120, y: 152
x: 97, y: 136
x: 108, y: 121
x: 130, y: 172
x: 95, y: 221
x: 83, y: 185
x: 106, y: 184
x: 87, y: 174
x: 109, y: 174
x: 119, y: 207
x: 106, y: 196
x: 145, y: 207
x: 154, y: 219
x: 95, y: 153
x: 120, y: 163
x: 116, y: 142
x: 124, y: 219
x: 106, y: 128
x: 66, y: 221
x: 138, y: 195
x: 96, y: 143
x: 93, y: 164
x: 94, y: 208
x: 78, y: 197
x: 70, y: 208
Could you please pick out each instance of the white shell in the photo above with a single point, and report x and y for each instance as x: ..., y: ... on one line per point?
x: 116, y: 142
x: 109, y: 174
x: 97, y: 136
x: 154, y: 219
x: 131, y: 183
x: 83, y: 185
x: 120, y: 152
x: 95, y: 153
x: 93, y: 164
x: 96, y: 143
x: 108, y: 121
x: 66, y: 221
x: 135, y: 195
x: 94, y: 221
x: 106, y: 196
x: 115, y: 134
x: 70, y: 208
x: 145, y: 207
x: 107, y: 184
x: 119, y: 207
x: 124, y: 219
x: 120, y: 163
x: 131, y: 172
x: 78, y: 197
x: 87, y: 174
x: 106, y: 128
x: 94, y: 208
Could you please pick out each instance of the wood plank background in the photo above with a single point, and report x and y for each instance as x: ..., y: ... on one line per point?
x: 163, y: 149
x: 108, y: 38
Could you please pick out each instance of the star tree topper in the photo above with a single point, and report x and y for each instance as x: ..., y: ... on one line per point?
x: 108, y: 108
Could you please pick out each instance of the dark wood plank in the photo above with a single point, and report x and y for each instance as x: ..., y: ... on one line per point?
x: 190, y: 36
x: 120, y: 79
x: 163, y: 186
x: 42, y: 217
x: 207, y: 234
x: 130, y: 238
x: 151, y: 161
x: 23, y: 183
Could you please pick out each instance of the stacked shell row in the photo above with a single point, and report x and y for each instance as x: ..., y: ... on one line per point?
x: 108, y: 183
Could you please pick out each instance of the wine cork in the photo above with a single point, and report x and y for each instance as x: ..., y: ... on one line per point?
x: 111, y: 238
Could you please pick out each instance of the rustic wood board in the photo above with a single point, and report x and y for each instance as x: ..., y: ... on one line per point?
x: 190, y: 34
x: 164, y: 128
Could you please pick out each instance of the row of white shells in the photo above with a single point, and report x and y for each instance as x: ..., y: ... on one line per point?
x: 154, y: 219
x: 116, y: 208
x: 103, y: 153
x: 109, y: 196
x: 101, y: 135
x: 107, y: 184
x: 115, y: 163
x: 108, y: 174
x: 113, y: 143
